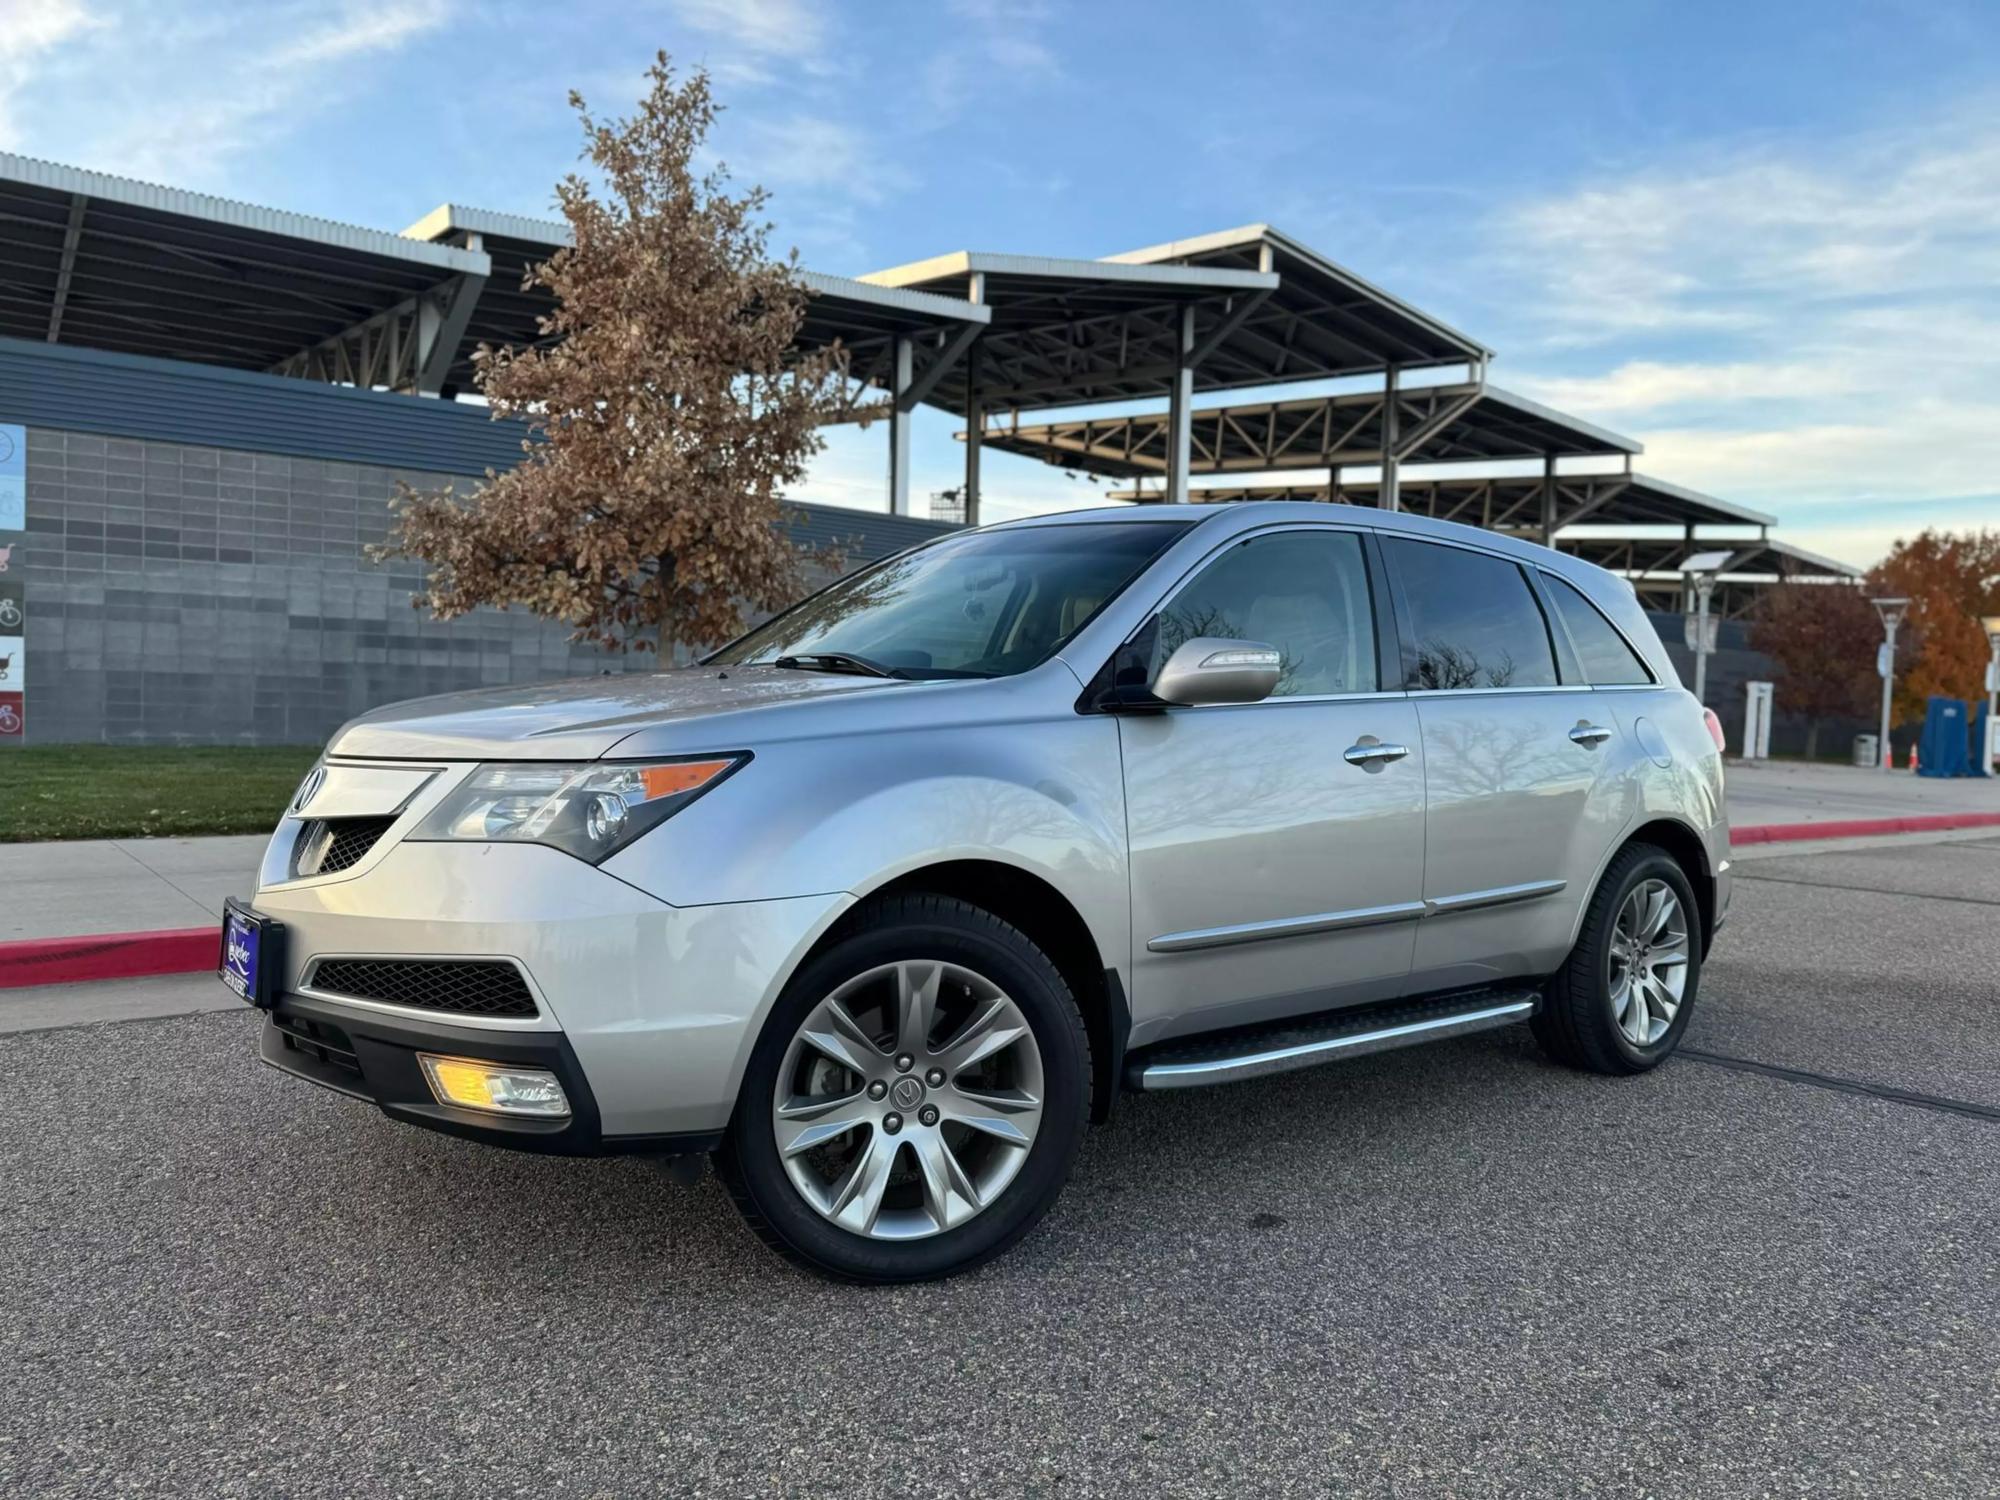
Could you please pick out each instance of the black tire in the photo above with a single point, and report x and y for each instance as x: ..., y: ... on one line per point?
x: 1576, y: 1023
x: 902, y: 928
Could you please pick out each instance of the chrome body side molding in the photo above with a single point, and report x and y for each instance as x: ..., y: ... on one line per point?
x: 1499, y: 895
x: 1282, y: 927
x: 1365, y: 916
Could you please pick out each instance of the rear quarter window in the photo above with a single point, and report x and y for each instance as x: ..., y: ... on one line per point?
x: 1606, y: 657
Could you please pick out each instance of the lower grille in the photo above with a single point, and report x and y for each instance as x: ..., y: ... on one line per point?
x: 329, y: 845
x: 320, y: 1041
x: 466, y: 987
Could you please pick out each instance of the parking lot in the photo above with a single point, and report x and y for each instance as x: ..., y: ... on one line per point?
x: 1768, y: 1268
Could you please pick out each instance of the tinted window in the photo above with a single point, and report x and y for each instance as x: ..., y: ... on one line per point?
x: 982, y: 604
x: 1605, y: 656
x: 1476, y: 620
x: 1305, y: 592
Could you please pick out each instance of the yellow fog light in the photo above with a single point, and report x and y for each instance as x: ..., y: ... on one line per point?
x: 497, y: 1090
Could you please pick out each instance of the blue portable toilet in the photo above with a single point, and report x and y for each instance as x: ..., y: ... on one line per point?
x: 1980, y: 765
x: 1943, y: 750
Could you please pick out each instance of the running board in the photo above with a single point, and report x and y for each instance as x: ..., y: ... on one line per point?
x: 1231, y: 1056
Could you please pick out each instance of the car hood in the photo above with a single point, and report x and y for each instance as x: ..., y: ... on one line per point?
x: 581, y: 718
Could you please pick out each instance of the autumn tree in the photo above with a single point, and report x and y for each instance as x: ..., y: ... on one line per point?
x: 1950, y: 579
x: 667, y: 405
x: 1822, y: 639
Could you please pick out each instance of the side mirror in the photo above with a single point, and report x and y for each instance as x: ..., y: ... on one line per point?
x: 1210, y: 669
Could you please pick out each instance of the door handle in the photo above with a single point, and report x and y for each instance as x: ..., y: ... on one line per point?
x: 1590, y: 734
x: 1372, y: 753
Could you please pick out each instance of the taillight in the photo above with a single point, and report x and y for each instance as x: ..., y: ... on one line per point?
x: 1714, y: 727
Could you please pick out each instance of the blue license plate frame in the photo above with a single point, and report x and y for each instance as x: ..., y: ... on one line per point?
x: 249, y: 958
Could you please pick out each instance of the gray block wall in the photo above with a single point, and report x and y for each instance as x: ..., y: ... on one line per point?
x: 203, y: 595
x: 197, y: 595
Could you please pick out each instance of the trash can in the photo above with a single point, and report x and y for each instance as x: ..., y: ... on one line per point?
x: 1867, y: 751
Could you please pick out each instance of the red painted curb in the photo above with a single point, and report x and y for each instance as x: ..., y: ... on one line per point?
x: 1850, y: 828
x: 108, y: 955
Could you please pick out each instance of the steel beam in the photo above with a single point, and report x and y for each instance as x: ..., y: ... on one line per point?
x: 72, y: 233
x: 1390, y: 495
x: 1180, y: 415
x: 899, y: 431
x: 441, y: 321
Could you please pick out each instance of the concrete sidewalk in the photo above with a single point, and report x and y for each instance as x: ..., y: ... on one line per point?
x: 91, y: 886
x: 1816, y: 792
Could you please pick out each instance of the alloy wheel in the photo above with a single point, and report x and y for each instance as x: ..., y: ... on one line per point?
x: 1649, y: 962
x: 908, y: 1100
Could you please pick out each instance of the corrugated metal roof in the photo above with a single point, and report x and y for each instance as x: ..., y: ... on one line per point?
x: 55, y: 177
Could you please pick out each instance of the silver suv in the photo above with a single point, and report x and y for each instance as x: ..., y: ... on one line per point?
x: 885, y: 902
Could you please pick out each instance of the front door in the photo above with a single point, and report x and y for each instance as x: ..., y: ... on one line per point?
x: 1277, y: 848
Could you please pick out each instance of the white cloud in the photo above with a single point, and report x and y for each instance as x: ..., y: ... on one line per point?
x: 766, y: 28
x: 1813, y: 325
x: 361, y: 29
x: 1000, y: 44
x: 752, y: 37
x: 29, y: 29
x: 176, y: 93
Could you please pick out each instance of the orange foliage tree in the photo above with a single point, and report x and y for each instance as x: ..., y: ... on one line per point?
x: 1950, y: 579
x: 668, y: 407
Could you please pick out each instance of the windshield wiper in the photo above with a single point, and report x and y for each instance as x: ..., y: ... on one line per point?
x: 835, y: 661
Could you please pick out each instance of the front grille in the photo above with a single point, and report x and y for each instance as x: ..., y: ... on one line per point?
x: 329, y: 845
x: 466, y: 987
x: 321, y: 1041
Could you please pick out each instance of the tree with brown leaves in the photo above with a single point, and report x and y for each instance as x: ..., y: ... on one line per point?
x: 1950, y: 579
x: 1822, y: 638
x: 667, y: 405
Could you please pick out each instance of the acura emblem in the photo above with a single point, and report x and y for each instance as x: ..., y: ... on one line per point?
x: 309, y: 788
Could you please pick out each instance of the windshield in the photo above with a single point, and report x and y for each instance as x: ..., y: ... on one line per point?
x: 981, y: 604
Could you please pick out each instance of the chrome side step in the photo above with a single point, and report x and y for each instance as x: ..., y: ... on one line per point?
x: 1230, y: 1057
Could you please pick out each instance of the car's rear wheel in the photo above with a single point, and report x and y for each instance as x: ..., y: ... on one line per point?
x: 1621, y: 1003
x: 916, y: 1099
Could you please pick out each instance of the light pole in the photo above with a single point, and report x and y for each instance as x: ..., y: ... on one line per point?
x: 1992, y: 624
x: 1892, y: 612
x: 1702, y: 570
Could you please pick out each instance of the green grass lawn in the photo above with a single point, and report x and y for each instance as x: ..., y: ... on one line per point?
x: 126, y: 791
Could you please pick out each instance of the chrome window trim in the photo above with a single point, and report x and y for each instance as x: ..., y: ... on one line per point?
x: 1200, y: 938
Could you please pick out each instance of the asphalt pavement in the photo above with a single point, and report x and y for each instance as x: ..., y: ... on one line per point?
x: 1768, y: 1268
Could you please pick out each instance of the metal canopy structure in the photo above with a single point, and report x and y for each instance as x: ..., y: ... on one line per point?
x: 1065, y: 331
x: 1652, y: 565
x: 109, y: 263
x: 1323, y: 320
x: 1463, y: 421
x: 1517, y: 503
x: 865, y: 319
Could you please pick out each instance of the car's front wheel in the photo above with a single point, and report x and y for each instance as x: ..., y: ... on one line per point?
x: 916, y: 1099
x: 1622, y: 1001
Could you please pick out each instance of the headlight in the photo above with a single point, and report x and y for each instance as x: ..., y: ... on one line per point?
x: 591, y: 811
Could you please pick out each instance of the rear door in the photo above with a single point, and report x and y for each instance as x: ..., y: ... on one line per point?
x: 1276, y: 847
x: 1515, y: 752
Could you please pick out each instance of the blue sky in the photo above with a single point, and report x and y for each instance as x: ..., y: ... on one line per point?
x: 1763, y: 238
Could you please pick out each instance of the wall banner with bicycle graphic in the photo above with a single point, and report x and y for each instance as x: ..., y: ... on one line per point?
x: 13, y: 592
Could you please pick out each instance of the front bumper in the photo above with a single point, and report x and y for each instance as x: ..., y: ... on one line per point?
x: 374, y: 1057
x: 646, y: 1011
